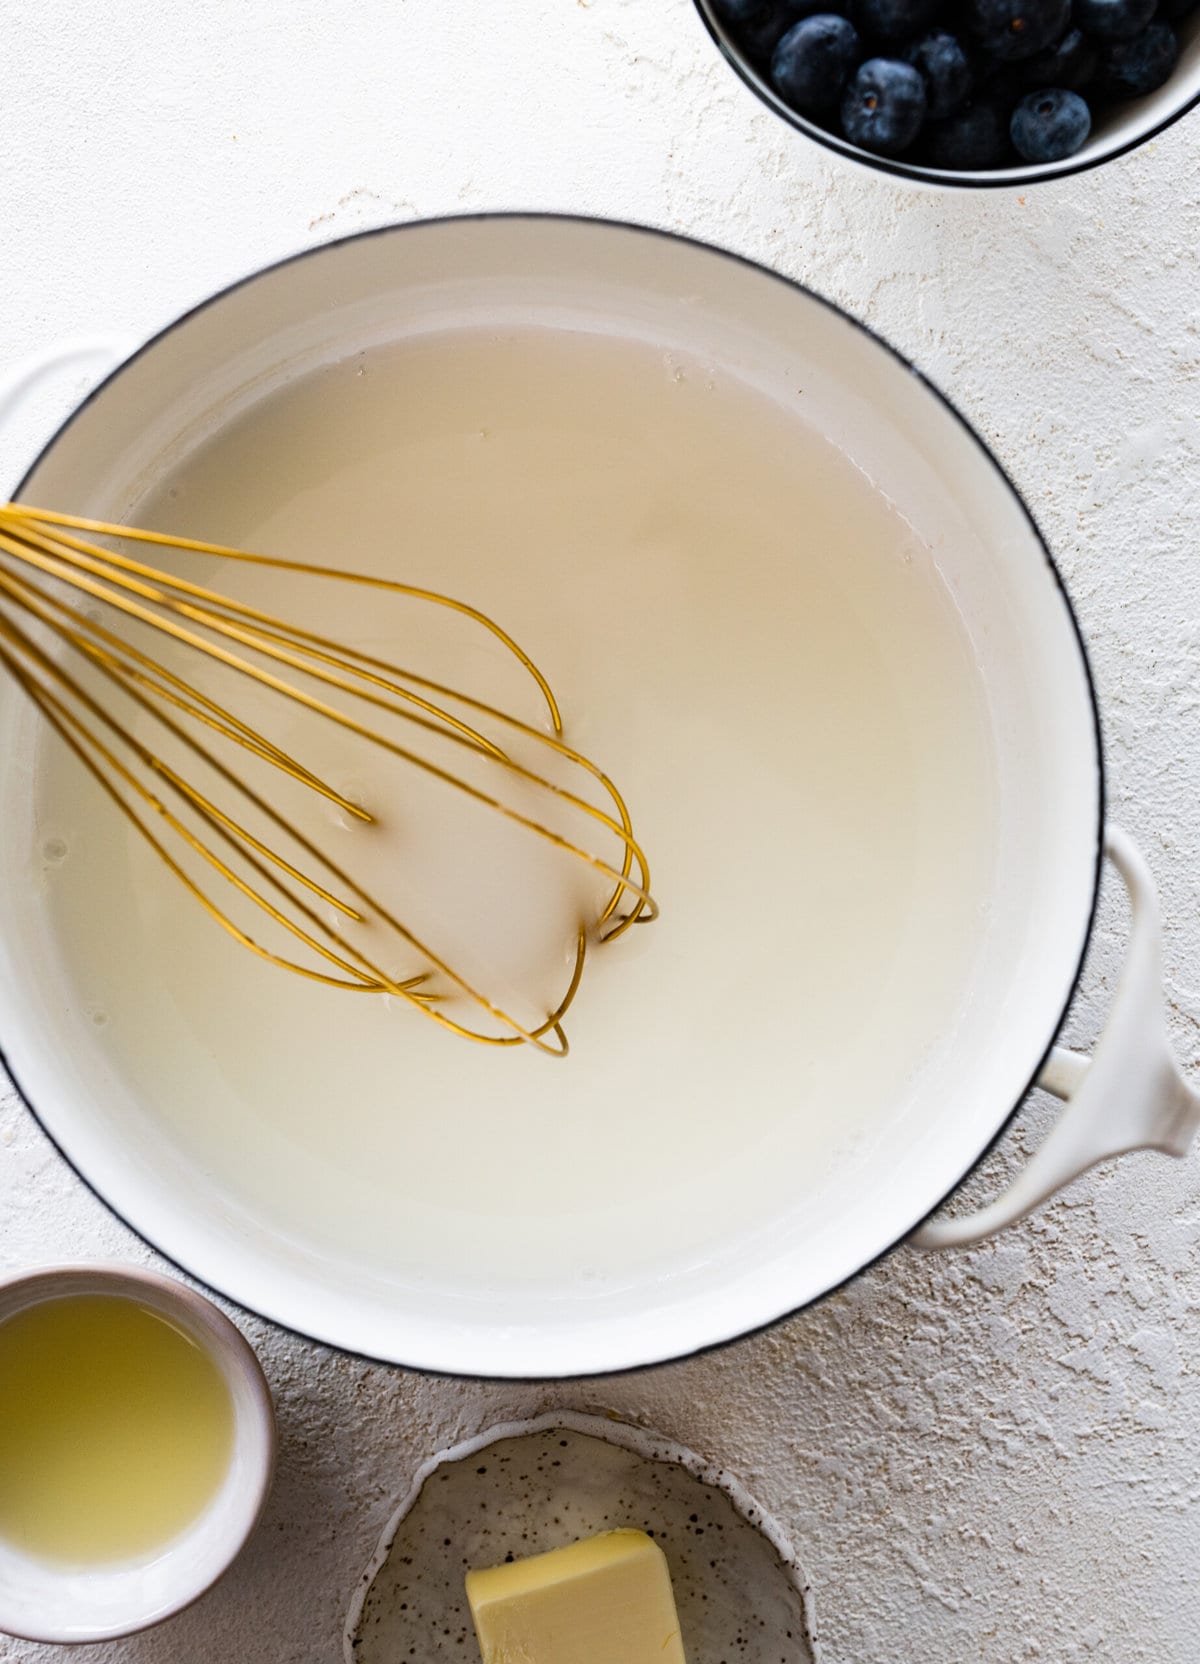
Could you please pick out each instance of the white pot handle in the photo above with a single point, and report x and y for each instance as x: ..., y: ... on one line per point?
x: 1130, y: 1095
x: 27, y: 373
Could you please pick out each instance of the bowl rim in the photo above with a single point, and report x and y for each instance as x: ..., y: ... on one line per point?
x: 232, y: 1353
x: 962, y: 179
x: 626, y: 1365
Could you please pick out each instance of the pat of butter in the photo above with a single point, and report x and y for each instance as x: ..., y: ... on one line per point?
x: 607, y: 1600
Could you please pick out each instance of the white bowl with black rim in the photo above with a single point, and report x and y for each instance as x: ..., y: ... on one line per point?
x: 1117, y: 127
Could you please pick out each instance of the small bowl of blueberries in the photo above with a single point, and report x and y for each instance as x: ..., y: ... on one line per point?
x: 968, y: 92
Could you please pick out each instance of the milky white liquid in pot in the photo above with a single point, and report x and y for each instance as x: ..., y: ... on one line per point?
x: 756, y: 647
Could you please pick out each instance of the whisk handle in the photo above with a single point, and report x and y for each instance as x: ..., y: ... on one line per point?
x: 27, y: 374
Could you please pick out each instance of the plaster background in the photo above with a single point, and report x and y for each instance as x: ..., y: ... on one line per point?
x: 990, y: 1455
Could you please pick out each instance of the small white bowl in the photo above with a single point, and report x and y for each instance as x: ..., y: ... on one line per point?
x: 43, y: 1602
x: 1120, y: 126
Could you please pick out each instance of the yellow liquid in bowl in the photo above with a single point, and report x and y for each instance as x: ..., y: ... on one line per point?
x: 116, y: 1430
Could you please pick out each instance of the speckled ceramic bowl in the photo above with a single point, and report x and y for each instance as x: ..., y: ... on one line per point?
x: 1120, y: 128
x: 525, y: 1487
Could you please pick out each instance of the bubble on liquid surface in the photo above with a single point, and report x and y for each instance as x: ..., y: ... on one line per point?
x: 54, y: 851
x: 342, y: 817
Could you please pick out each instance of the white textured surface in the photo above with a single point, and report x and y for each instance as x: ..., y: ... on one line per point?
x: 990, y: 1456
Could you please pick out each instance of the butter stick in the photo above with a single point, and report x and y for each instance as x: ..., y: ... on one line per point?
x: 606, y: 1600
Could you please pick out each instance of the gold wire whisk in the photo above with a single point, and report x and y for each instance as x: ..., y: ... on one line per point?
x: 61, y: 591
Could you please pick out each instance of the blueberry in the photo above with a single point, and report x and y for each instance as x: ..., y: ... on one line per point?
x: 1174, y: 11
x: 1114, y: 19
x: 797, y: 10
x: 999, y: 83
x: 1132, y: 68
x: 738, y: 12
x: 975, y: 138
x: 1050, y: 124
x: 884, y: 106
x: 943, y: 63
x: 1016, y: 29
x: 759, y: 37
x: 1071, y: 64
x: 895, y: 20
x: 812, y: 61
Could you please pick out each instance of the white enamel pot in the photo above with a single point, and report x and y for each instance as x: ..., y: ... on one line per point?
x: 504, y: 271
